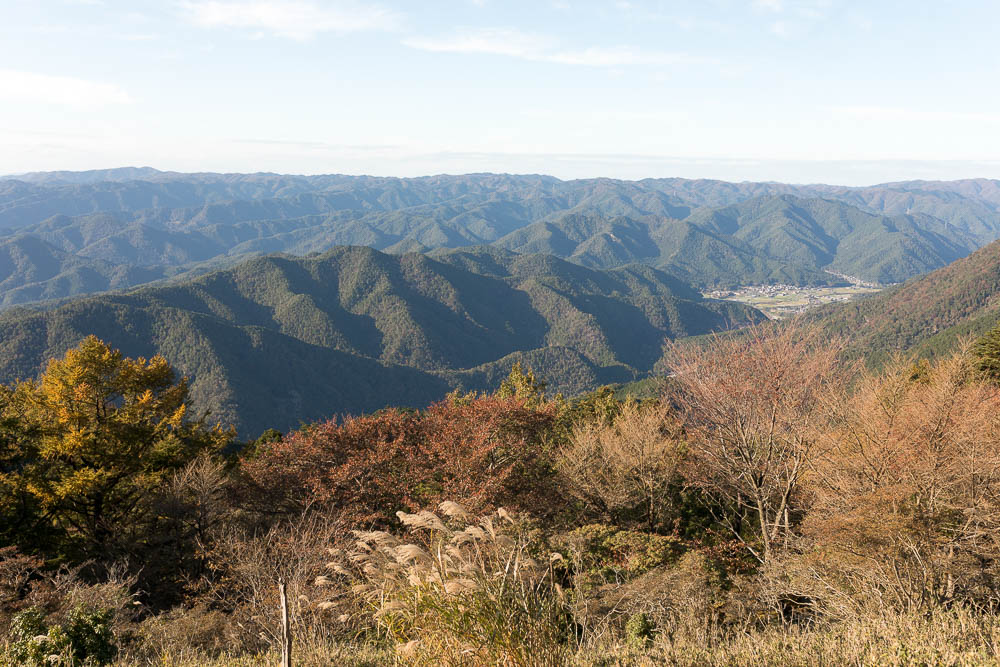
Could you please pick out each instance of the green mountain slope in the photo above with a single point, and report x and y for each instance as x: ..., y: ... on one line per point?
x: 277, y: 340
x: 33, y: 270
x: 971, y: 205
x: 926, y: 315
x: 692, y: 252
x: 765, y: 239
x: 825, y: 234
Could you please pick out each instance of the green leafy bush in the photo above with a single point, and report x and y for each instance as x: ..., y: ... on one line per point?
x: 639, y: 628
x: 610, y: 551
x: 84, y: 638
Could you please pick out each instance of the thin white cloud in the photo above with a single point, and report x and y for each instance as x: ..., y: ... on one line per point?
x: 493, y: 41
x: 299, y: 20
x: 592, y: 116
x: 781, y: 28
x: 539, y: 48
x: 621, y: 56
x: 34, y: 88
x: 815, y: 10
x: 797, y: 17
x: 810, y: 9
x: 899, y: 115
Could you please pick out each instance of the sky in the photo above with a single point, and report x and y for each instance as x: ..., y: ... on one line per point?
x: 836, y: 91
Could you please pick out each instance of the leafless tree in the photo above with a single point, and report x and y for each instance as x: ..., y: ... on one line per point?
x: 751, y: 404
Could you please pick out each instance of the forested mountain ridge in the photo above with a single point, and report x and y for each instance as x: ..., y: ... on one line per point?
x: 774, y: 238
x: 828, y: 234
x: 709, y: 233
x: 277, y: 340
x: 33, y: 270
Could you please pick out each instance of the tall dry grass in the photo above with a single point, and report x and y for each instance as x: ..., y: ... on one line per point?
x: 459, y: 591
x: 956, y: 638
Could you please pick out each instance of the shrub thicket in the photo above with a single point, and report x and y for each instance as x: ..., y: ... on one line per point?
x: 774, y: 505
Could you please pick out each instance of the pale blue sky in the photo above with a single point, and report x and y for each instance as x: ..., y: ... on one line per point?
x: 796, y: 90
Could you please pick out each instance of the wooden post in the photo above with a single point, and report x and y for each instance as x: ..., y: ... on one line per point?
x: 286, y: 631
x: 787, y: 531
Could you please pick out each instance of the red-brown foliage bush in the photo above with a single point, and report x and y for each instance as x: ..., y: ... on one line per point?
x: 488, y: 452
x: 483, y: 452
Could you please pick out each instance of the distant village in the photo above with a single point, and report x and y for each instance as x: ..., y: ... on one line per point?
x: 778, y: 301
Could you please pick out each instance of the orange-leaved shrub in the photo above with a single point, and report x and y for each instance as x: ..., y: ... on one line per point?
x: 753, y: 407
x: 482, y: 451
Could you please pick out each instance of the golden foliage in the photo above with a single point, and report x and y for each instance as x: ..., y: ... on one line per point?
x: 907, y: 492
x: 109, y: 429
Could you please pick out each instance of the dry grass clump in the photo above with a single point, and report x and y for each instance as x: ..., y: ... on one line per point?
x: 235, y: 602
x: 956, y: 638
x: 184, y: 634
x: 459, y: 592
x: 306, y: 654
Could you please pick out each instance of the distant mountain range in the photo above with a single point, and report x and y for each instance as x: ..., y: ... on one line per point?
x: 278, y: 340
x: 94, y: 231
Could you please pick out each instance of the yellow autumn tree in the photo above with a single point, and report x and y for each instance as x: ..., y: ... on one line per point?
x: 523, y: 385
x: 21, y: 520
x: 110, y: 429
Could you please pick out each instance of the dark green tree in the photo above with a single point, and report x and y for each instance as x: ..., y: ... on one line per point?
x: 986, y: 351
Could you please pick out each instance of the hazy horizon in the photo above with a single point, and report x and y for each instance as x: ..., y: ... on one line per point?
x: 915, y: 172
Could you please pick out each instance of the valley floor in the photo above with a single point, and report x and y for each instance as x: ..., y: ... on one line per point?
x: 781, y: 301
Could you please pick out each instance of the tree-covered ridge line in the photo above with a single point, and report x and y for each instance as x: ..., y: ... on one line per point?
x: 709, y: 233
x: 279, y: 340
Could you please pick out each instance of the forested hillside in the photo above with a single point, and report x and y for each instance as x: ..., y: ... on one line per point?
x: 278, y: 340
x: 34, y: 270
x: 926, y: 316
x: 771, y: 239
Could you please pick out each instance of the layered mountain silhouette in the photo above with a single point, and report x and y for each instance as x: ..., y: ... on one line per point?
x: 278, y: 340
x: 153, y: 225
x: 291, y: 298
